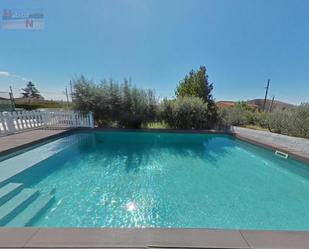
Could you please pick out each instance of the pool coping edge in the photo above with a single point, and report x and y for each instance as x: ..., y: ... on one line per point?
x: 150, y: 238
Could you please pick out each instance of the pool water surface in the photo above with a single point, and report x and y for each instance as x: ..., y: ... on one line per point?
x: 180, y: 180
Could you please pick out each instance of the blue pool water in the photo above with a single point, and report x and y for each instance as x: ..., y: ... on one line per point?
x: 135, y: 179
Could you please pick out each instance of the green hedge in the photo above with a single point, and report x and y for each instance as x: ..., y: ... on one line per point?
x: 33, y: 106
x: 185, y: 113
x: 112, y: 104
x: 242, y: 114
x: 293, y: 121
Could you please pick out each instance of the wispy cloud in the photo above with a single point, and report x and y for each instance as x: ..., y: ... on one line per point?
x: 8, y: 74
x: 5, y: 74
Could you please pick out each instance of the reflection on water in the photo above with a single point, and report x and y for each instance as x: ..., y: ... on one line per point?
x: 125, y: 179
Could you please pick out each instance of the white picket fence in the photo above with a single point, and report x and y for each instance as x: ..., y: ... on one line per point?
x: 12, y: 122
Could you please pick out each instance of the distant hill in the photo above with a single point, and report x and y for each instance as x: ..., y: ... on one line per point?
x: 276, y: 105
x: 258, y: 103
x: 224, y: 103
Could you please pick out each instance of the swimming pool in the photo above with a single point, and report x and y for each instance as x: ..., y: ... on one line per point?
x: 144, y: 179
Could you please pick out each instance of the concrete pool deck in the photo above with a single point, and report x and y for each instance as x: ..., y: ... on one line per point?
x: 154, y: 237
x: 294, y: 146
x: 150, y: 238
x: 18, y: 141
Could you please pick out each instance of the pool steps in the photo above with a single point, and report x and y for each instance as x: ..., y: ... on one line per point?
x: 31, y: 212
x: 19, y: 206
x: 16, y: 204
x: 8, y: 191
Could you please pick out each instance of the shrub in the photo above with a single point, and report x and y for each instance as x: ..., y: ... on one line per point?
x: 240, y: 114
x: 115, y: 104
x: 196, y: 84
x: 185, y: 113
x: 38, y: 105
x: 293, y: 121
x: 139, y: 107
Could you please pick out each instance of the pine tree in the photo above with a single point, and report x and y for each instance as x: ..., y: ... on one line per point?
x: 31, y: 92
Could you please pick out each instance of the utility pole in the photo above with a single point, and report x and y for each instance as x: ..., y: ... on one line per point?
x: 66, y: 94
x: 271, y: 104
x: 266, y: 92
x: 12, y: 98
x: 71, y: 90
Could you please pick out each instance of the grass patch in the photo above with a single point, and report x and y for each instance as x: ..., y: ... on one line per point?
x: 255, y: 127
x: 156, y: 125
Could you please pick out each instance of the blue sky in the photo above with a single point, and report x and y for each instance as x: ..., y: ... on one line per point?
x: 242, y: 43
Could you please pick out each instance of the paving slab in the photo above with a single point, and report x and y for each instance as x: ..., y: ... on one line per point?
x: 276, y: 239
x: 89, y: 237
x: 197, y: 238
x: 12, y: 237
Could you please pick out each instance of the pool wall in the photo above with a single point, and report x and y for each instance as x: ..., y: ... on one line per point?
x: 296, y: 148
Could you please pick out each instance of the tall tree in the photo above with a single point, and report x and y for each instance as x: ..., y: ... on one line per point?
x: 31, y: 92
x: 196, y: 84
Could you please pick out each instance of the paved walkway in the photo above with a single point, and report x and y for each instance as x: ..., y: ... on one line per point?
x: 150, y: 238
x: 21, y: 140
x: 297, y: 147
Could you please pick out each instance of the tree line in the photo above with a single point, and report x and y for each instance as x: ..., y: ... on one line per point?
x: 127, y: 106
x: 193, y: 107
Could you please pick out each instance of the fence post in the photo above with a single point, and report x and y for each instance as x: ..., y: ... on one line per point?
x: 91, y: 121
x: 10, y: 123
x: 43, y: 118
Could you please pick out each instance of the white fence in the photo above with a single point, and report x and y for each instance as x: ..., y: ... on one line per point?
x: 11, y: 122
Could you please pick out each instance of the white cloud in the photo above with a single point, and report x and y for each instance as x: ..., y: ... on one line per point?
x: 5, y: 74
x: 8, y: 74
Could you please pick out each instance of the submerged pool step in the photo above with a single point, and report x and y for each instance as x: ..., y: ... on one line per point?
x: 8, y: 191
x: 16, y: 204
x: 32, y: 211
